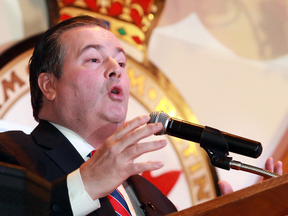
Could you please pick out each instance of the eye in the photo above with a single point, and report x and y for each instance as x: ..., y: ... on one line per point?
x: 121, y: 64
x: 93, y: 60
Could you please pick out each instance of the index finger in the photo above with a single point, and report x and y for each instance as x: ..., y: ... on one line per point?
x: 130, y: 126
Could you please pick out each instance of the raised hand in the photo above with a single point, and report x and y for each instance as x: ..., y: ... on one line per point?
x: 113, y: 162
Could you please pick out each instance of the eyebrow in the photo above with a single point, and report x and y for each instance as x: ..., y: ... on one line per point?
x: 100, y: 47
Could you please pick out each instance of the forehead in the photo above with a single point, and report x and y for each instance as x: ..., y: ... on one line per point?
x: 80, y: 37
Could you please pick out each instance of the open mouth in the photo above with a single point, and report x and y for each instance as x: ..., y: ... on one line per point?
x: 115, y: 91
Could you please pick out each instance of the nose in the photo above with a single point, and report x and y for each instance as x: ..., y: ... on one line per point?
x: 113, y: 69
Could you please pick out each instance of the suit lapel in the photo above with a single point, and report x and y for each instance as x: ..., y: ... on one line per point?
x: 59, y: 149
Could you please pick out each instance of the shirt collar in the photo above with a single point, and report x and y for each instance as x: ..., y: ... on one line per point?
x: 81, y: 145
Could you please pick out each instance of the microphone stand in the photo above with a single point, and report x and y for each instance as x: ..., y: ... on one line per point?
x: 214, y: 143
x: 252, y: 169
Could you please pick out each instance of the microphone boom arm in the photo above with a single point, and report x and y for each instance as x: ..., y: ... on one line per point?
x: 218, y: 153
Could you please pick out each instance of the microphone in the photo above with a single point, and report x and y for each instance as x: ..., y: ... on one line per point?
x: 206, y: 135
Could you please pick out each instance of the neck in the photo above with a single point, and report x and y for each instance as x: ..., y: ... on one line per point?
x: 97, y: 137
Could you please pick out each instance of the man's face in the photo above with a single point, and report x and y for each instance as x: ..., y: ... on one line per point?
x: 94, y: 85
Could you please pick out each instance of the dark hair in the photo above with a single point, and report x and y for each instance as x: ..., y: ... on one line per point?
x: 49, y: 53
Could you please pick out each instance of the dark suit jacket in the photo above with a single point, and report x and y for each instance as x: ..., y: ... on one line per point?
x: 49, y: 154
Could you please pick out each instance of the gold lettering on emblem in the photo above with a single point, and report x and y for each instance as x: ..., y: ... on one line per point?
x: 166, y: 106
x: 195, y: 167
x: 138, y: 81
x: 10, y: 85
x: 191, y: 150
x: 152, y: 94
x: 201, y: 183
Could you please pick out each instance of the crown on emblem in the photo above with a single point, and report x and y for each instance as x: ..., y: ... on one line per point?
x: 130, y: 20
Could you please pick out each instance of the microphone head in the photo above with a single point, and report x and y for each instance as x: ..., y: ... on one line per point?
x: 160, y: 116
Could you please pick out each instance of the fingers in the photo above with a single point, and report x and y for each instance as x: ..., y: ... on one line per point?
x: 136, y: 150
x: 130, y: 126
x: 140, y: 133
x: 144, y: 167
x: 269, y: 164
x: 275, y: 168
x: 132, y: 132
x: 278, y: 168
x: 225, y: 187
x: 140, y: 148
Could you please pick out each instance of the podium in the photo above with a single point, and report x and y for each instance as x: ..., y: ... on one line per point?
x: 269, y: 197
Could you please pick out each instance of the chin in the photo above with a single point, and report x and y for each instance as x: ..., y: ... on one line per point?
x: 117, y: 116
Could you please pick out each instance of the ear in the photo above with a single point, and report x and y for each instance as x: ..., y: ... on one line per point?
x: 46, y: 82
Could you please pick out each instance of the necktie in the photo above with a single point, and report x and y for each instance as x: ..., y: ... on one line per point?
x: 118, y: 203
x: 116, y: 199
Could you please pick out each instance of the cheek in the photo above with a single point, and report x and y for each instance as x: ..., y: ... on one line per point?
x: 76, y: 87
x: 91, y: 86
x: 84, y: 80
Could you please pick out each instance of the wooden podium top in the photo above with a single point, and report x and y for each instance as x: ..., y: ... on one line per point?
x: 269, y: 197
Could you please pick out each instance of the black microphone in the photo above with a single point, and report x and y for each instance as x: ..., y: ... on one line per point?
x: 193, y: 132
